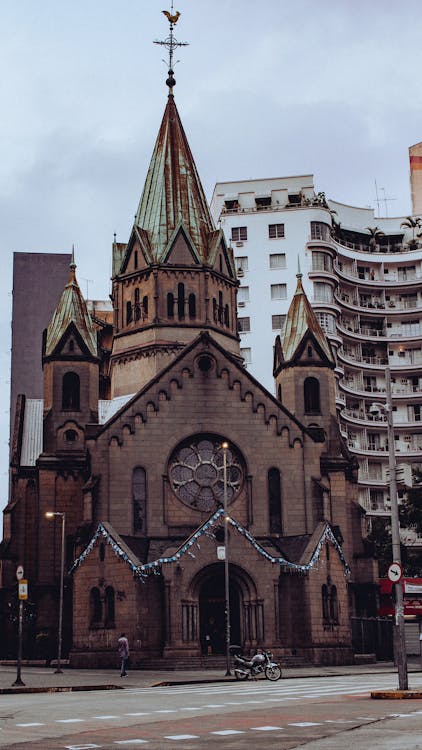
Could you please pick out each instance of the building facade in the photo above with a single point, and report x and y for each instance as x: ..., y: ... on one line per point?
x: 363, y: 276
x: 148, y: 422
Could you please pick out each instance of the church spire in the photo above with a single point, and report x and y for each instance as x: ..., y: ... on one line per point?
x: 171, y: 44
x: 71, y: 309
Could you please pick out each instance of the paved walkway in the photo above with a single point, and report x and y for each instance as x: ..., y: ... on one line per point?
x: 44, y: 679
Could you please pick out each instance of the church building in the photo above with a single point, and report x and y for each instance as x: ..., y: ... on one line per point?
x: 149, y: 425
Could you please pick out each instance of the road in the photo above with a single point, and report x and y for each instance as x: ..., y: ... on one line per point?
x: 329, y: 713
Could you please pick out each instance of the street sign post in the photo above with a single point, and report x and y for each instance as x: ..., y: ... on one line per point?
x: 22, y: 595
x: 395, y: 572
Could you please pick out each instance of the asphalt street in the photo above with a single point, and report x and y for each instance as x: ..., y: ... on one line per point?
x: 315, y: 713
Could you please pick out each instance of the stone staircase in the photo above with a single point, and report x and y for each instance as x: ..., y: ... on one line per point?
x: 213, y: 662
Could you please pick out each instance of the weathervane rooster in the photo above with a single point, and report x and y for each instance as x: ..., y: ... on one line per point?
x: 173, y: 19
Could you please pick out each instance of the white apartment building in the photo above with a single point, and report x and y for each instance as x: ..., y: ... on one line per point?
x: 363, y: 275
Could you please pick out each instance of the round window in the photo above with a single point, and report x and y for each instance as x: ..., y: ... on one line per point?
x: 196, y: 472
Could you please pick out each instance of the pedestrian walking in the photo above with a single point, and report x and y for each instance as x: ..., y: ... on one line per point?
x: 123, y: 650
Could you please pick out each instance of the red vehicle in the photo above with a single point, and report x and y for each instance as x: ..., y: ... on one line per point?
x: 412, y: 597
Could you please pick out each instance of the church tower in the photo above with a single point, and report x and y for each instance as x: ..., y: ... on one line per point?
x: 70, y: 372
x: 304, y: 366
x: 176, y: 276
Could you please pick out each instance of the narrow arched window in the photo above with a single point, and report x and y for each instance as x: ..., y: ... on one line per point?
x: 170, y: 305
x: 71, y: 345
x: 311, y: 396
x: 214, y: 309
x: 145, y: 306
x: 181, y: 301
x: 279, y: 393
x: 137, y: 305
x: 324, y: 602
x: 221, y: 264
x: 192, y: 306
x: 128, y: 312
x: 71, y: 391
x: 109, y: 607
x: 333, y: 605
x: 226, y: 316
x: 220, y: 307
x: 139, y: 499
x: 135, y: 259
x: 95, y: 607
x: 274, y: 501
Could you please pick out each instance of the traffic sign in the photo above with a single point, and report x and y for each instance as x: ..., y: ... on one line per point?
x: 395, y: 572
x: 23, y: 589
x: 19, y: 572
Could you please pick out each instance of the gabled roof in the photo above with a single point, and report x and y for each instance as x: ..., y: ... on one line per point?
x: 71, y: 309
x: 173, y: 193
x: 309, y: 558
x: 301, y: 322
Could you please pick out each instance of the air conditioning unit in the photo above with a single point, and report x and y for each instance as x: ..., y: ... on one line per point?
x: 239, y: 244
x: 240, y: 272
x: 241, y: 304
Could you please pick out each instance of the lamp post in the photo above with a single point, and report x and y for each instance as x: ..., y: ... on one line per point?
x: 226, y: 560
x: 399, y: 632
x: 51, y: 514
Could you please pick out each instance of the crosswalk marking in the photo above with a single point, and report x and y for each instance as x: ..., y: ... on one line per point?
x: 228, y: 731
x: 31, y: 724
x: 266, y: 729
x: 182, y: 737
x: 130, y: 742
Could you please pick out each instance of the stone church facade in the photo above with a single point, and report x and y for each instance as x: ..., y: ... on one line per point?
x: 128, y: 439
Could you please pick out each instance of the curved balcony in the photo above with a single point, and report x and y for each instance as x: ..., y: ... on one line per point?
x: 392, y: 248
x: 359, y: 416
x: 387, y: 281
x: 360, y: 361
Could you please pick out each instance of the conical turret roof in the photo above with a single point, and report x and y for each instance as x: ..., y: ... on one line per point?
x: 300, y: 321
x: 173, y: 195
x: 71, y: 309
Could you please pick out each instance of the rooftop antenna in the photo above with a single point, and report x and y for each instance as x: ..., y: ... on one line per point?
x: 384, y: 200
x: 171, y: 43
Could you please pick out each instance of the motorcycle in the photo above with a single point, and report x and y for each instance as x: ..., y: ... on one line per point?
x: 261, y: 663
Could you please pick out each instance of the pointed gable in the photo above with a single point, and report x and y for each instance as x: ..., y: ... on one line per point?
x: 71, y: 312
x: 173, y: 193
x: 301, y: 327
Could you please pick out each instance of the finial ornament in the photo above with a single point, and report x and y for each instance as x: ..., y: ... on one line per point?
x: 171, y: 44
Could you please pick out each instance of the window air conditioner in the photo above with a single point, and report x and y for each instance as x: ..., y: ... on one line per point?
x: 239, y: 244
x: 240, y: 272
x: 241, y: 304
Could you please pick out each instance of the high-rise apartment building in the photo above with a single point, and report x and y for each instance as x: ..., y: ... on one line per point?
x: 363, y: 276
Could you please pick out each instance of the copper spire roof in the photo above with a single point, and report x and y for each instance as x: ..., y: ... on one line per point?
x: 301, y: 319
x: 173, y: 196
x: 71, y: 309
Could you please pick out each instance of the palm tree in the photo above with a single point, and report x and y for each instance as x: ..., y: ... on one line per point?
x: 375, y: 235
x: 412, y: 224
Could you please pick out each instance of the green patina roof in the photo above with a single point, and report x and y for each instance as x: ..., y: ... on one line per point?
x: 300, y: 320
x: 71, y: 309
x: 173, y: 195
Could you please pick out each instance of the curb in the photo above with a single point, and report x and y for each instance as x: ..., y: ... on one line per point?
x: 396, y: 694
x: 68, y: 689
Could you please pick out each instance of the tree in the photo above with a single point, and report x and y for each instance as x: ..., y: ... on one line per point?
x: 411, y: 505
x: 412, y: 224
x: 375, y: 234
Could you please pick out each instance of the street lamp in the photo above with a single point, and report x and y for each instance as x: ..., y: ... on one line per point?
x: 399, y: 640
x: 50, y: 514
x: 226, y: 560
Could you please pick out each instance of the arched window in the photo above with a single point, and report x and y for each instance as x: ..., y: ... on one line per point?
x: 95, y: 607
x: 333, y: 605
x: 192, y: 306
x: 71, y: 345
x: 137, y: 305
x: 274, y: 501
x: 220, y: 307
x: 135, y: 259
x: 221, y: 264
x: 102, y: 552
x: 226, y: 316
x: 311, y: 396
x: 71, y: 391
x: 181, y: 301
x: 279, y: 393
x: 170, y: 305
x: 109, y: 607
x: 128, y: 312
x: 324, y: 601
x: 214, y: 309
x: 139, y: 499
x: 145, y: 306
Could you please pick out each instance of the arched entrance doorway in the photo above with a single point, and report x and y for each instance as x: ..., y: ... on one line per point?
x: 212, y: 612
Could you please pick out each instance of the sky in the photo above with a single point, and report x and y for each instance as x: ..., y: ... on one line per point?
x: 265, y: 89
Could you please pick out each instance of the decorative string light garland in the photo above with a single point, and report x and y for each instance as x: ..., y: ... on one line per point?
x: 143, y: 571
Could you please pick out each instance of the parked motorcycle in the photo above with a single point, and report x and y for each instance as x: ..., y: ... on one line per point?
x: 261, y: 663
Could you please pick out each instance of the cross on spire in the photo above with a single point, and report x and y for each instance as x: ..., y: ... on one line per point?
x: 171, y: 43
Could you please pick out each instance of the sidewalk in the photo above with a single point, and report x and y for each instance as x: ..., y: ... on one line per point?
x: 43, y: 679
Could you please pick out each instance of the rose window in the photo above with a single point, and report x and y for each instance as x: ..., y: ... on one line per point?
x: 197, y: 473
